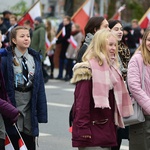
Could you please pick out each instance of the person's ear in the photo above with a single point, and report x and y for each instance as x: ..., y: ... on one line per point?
x: 14, y: 41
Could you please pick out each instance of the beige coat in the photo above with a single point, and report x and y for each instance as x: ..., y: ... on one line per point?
x: 71, y: 52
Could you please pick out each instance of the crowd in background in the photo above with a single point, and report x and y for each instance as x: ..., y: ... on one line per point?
x: 66, y: 46
x: 73, y: 48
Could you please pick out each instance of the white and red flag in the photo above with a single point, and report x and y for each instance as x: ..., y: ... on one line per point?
x: 145, y: 20
x: 21, y: 143
x: 47, y: 41
x: 22, y: 146
x: 31, y: 14
x: 83, y: 14
x: 8, y: 144
x: 73, y: 42
x: 117, y: 15
x: 63, y: 31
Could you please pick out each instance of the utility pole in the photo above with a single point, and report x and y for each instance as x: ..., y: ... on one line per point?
x: 101, y: 7
x: 33, y: 2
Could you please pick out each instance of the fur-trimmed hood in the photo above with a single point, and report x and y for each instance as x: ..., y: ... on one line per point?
x: 81, y: 71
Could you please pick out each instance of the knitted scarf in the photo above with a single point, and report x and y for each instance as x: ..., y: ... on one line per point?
x: 102, y: 77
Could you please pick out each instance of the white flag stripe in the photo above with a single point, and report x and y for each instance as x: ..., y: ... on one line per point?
x: 63, y: 31
x: 8, y: 144
x: 73, y: 42
x: 35, y: 11
x: 89, y: 7
x: 22, y: 145
x: 9, y: 147
x: 54, y: 40
x: 48, y: 43
x: 23, y: 148
x: 148, y: 16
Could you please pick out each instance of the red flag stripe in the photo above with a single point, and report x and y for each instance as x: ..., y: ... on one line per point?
x: 144, y: 24
x: 81, y: 19
x: 20, y: 142
x: 82, y: 16
x: 26, y: 17
x: 145, y: 20
x: 8, y: 144
x: 73, y: 42
x: 33, y: 12
x: 7, y: 140
x: 117, y: 16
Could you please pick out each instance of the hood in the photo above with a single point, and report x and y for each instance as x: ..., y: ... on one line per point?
x: 39, y: 26
x: 81, y: 71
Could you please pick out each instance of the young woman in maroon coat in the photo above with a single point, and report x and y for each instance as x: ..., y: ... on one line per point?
x: 101, y: 98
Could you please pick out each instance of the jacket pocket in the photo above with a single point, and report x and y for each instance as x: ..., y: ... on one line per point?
x: 103, y: 132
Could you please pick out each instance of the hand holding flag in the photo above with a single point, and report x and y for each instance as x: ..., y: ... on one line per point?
x: 122, y: 8
x: 21, y: 143
x: 117, y: 15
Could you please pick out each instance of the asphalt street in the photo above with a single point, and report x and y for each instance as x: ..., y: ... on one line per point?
x: 54, y: 135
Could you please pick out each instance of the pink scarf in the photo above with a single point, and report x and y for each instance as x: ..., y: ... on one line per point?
x: 102, y: 76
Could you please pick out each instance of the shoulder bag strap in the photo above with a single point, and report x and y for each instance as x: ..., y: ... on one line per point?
x: 143, y: 73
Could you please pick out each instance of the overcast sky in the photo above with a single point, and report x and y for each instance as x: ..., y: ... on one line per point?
x: 7, y: 4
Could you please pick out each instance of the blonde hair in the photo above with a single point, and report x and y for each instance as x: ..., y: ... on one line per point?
x: 144, y: 51
x: 98, y: 46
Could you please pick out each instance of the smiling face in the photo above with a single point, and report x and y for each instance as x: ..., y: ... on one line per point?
x: 111, y: 47
x: 22, y: 40
x: 148, y: 42
x: 117, y: 30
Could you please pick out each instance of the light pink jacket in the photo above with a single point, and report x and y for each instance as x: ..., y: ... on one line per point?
x: 134, y: 78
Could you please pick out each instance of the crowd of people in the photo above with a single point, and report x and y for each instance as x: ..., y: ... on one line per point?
x: 100, y: 62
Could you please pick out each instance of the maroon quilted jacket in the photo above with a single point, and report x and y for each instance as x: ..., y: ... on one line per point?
x: 8, y: 111
x: 97, y: 123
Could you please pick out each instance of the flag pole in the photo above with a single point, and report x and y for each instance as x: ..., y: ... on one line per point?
x: 12, y: 147
x: 144, y: 16
x: 29, y: 9
x: 79, y: 9
x: 59, y: 33
x: 73, y: 16
x: 19, y: 134
x: 25, y: 13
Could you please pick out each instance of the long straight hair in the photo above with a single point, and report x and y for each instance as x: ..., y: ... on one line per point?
x: 98, y: 46
x: 144, y: 51
x: 13, y: 35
